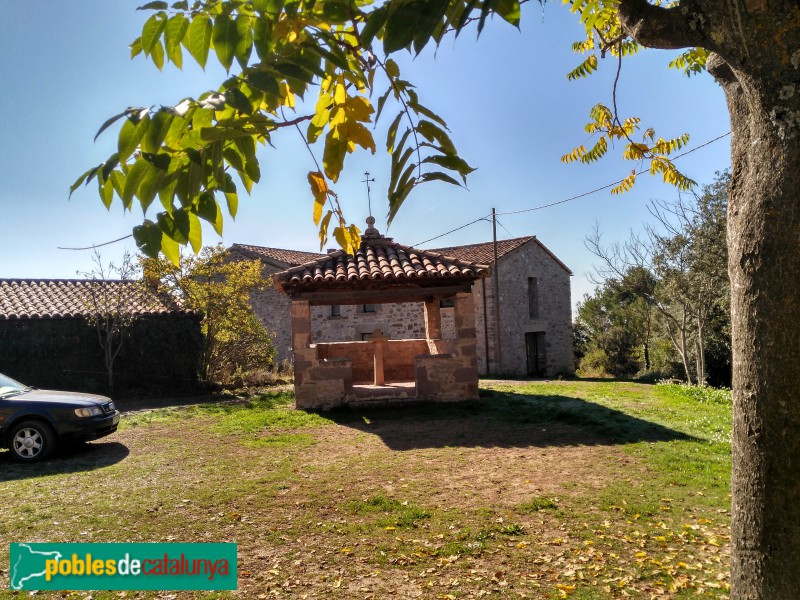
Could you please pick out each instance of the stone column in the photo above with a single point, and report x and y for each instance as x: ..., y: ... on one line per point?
x: 378, y: 339
x: 433, y: 320
x: 301, y: 340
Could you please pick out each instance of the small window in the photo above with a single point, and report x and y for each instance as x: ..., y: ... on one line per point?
x: 368, y: 308
x: 365, y: 337
x: 447, y: 303
x: 533, y: 297
x: 336, y: 310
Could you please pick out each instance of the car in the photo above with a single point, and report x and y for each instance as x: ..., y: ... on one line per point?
x: 34, y: 422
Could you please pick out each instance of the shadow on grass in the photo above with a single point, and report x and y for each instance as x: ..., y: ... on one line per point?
x: 67, y: 459
x: 509, y: 420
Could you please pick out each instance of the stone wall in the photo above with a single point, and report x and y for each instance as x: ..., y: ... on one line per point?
x: 554, y: 318
x: 396, y: 321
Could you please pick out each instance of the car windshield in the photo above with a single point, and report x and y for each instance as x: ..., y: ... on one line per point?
x: 9, y: 387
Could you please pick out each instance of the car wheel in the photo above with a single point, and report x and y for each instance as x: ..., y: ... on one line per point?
x: 31, y: 441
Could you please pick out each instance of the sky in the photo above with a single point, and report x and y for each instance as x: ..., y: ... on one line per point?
x: 511, y: 111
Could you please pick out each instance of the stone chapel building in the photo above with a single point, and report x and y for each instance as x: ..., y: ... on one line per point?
x: 535, y: 314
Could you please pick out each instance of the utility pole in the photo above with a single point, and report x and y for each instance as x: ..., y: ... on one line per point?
x: 498, y: 353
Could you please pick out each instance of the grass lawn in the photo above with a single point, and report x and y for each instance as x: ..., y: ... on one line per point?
x: 579, y: 489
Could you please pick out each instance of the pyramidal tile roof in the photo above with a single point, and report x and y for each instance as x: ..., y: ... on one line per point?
x: 379, y: 259
x: 65, y: 298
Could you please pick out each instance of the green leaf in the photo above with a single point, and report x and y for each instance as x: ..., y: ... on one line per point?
x: 176, y: 226
x: 198, y: 38
x: 154, y: 6
x: 225, y: 38
x: 151, y: 32
x: 149, y: 186
x: 156, y: 131
x: 158, y: 56
x: 375, y: 21
x: 106, y: 192
x: 382, y: 102
x: 174, y: 32
x: 110, y: 165
x: 93, y: 171
x: 130, y: 134
x: 274, y: 7
x: 118, y: 182
x: 509, y: 10
x: 261, y: 80
x: 136, y: 47
x: 148, y: 238
x: 432, y: 133
x: 439, y: 176
x: 428, y: 21
x: 262, y: 37
x: 231, y: 197
x: 398, y: 163
x: 465, y: 15
x: 421, y: 110
x: 171, y: 250
x: 208, y: 209
x: 412, y: 21
x: 110, y: 121
x: 244, y: 43
x: 133, y: 178
x: 454, y: 163
x: 392, y: 133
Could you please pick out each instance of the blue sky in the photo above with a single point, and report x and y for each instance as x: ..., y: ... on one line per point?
x: 506, y: 98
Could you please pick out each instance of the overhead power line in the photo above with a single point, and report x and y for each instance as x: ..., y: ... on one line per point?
x: 571, y: 198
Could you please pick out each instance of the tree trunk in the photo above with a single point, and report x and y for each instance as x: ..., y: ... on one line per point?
x: 755, y: 47
x: 764, y: 268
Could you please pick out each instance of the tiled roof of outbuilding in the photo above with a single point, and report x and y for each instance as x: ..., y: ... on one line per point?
x: 484, y: 252
x: 287, y: 257
x: 380, y: 259
x: 63, y: 298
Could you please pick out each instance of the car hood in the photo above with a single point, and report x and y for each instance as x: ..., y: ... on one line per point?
x: 71, y: 398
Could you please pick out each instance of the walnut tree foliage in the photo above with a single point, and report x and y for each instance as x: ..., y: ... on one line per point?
x: 189, y: 162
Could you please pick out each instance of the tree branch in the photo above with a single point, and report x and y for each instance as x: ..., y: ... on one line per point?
x: 664, y: 28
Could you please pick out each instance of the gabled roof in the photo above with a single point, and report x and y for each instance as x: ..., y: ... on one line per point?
x: 484, y: 252
x: 65, y: 298
x: 382, y: 261
x: 285, y: 258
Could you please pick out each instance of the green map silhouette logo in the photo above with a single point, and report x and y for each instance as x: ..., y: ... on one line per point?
x: 27, y: 565
x: 123, y: 566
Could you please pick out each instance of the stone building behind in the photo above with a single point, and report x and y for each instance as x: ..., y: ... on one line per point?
x: 534, y: 309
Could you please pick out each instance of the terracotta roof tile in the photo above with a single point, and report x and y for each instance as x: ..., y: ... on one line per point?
x: 379, y: 259
x: 62, y: 298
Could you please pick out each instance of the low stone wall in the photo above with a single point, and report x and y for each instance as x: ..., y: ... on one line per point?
x: 398, y: 358
x: 445, y: 378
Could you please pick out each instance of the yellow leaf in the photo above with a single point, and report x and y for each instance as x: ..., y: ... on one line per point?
x: 286, y: 93
x: 359, y: 108
x: 340, y: 94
